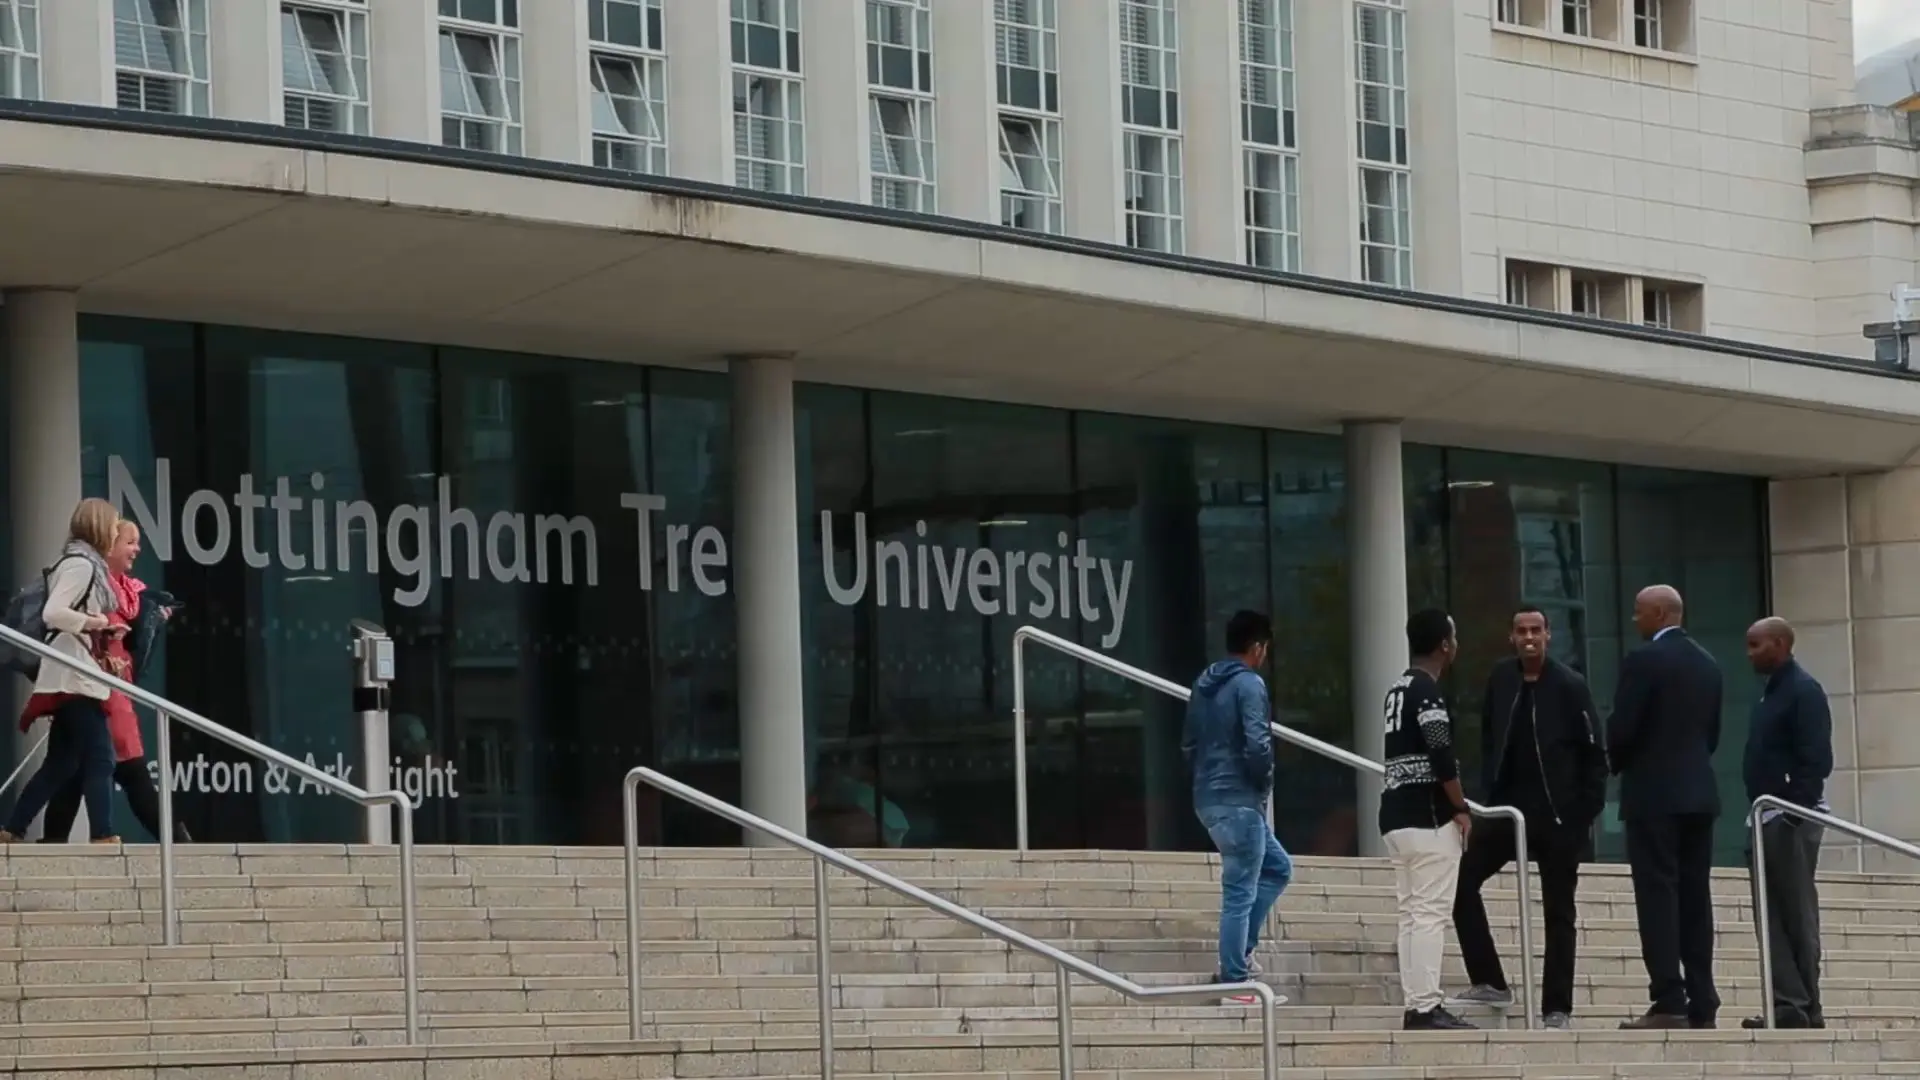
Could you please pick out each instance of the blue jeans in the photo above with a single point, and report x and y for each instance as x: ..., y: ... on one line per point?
x: 77, y: 745
x: 1254, y: 871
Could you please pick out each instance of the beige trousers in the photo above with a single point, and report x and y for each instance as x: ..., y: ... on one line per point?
x: 1426, y: 869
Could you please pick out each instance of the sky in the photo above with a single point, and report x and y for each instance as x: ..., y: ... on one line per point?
x: 1878, y: 24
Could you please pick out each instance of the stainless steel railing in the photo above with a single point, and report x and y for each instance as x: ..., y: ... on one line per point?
x: 1066, y: 965
x: 1074, y: 649
x: 167, y: 711
x: 1853, y: 829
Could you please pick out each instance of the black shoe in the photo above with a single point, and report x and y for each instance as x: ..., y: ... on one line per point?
x: 1702, y: 1023
x: 1783, y: 1019
x: 1661, y: 1021
x: 1434, y: 1019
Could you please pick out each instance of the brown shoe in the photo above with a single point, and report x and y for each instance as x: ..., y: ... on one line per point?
x: 8, y: 838
x: 1656, y: 1021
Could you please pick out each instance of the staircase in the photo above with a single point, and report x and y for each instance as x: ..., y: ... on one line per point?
x: 289, y: 968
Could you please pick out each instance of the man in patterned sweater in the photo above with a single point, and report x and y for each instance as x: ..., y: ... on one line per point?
x: 1423, y: 817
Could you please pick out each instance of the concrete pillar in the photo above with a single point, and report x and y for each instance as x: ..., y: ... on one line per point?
x: 700, y: 92
x: 406, y: 71
x: 1811, y: 566
x: 557, y: 87
x: 76, y: 52
x: 833, y: 63
x: 1377, y: 568
x: 42, y: 350
x: 246, y: 64
x: 766, y: 581
x: 1435, y: 138
x: 966, y: 120
x: 1212, y: 162
x: 1092, y: 158
x: 1329, y: 182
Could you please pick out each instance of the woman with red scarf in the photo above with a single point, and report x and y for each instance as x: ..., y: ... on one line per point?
x: 130, y: 760
x: 77, y: 614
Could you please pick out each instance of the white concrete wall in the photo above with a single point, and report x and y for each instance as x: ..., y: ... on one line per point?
x: 1526, y: 143
x: 1688, y: 167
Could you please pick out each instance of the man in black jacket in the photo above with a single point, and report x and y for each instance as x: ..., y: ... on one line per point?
x: 1661, y: 740
x: 1543, y: 754
x: 1789, y: 756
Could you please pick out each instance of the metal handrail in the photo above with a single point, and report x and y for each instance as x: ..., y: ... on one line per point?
x: 1760, y: 916
x: 169, y: 903
x: 1066, y: 965
x: 1304, y: 741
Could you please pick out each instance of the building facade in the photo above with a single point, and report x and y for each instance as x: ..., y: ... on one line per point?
x: 1638, y: 160
x: 719, y: 386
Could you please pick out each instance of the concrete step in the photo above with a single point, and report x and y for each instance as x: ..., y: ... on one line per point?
x: 243, y: 1034
x: 1034, y: 870
x: 442, y: 996
x: 491, y: 958
x: 1575, y: 1055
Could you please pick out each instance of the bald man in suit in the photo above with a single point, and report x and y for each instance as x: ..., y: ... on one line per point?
x: 1660, y: 741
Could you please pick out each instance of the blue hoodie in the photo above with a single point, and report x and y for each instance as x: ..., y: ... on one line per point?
x: 1228, y: 746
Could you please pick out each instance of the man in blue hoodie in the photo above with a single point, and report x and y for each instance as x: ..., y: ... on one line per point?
x: 1229, y: 749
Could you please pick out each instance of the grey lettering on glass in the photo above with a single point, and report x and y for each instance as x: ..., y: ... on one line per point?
x: 419, y: 542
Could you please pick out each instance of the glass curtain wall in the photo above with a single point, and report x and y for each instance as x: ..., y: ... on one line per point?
x: 476, y: 505
x: 546, y: 540
x: 1489, y: 533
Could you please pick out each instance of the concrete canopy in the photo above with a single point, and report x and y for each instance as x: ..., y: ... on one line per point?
x: 254, y: 228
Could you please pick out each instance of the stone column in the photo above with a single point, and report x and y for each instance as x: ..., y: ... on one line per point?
x: 1214, y: 169
x: 1092, y: 158
x: 556, y: 89
x: 1846, y: 573
x: 76, y: 52
x: 700, y: 92
x: 41, y: 345
x: 966, y: 119
x: 1377, y: 566
x: 766, y: 581
x: 406, y: 71
x: 246, y: 64
x: 833, y: 66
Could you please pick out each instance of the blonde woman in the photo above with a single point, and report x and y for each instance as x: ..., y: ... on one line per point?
x: 80, y: 603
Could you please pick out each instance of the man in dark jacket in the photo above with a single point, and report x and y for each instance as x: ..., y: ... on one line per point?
x: 1661, y: 740
x: 1542, y: 753
x: 1789, y: 756
x: 1229, y: 750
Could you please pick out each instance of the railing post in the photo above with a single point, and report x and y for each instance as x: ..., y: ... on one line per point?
x: 409, y: 919
x: 630, y: 807
x: 1020, y: 741
x: 1523, y: 887
x: 1063, y: 1003
x: 1269, y: 1047
x: 823, y: 964
x: 1760, y: 912
x: 169, y: 912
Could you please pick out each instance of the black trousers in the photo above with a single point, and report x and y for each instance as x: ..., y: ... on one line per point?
x: 1793, y: 914
x: 1671, y: 857
x: 142, y: 799
x: 1557, y: 852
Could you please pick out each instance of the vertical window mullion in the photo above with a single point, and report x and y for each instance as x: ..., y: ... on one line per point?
x: 769, y: 118
x: 1027, y: 78
x: 1150, y: 125
x: 1385, y: 168
x: 629, y: 128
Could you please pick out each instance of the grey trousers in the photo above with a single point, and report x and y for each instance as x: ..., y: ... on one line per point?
x: 1793, y: 912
